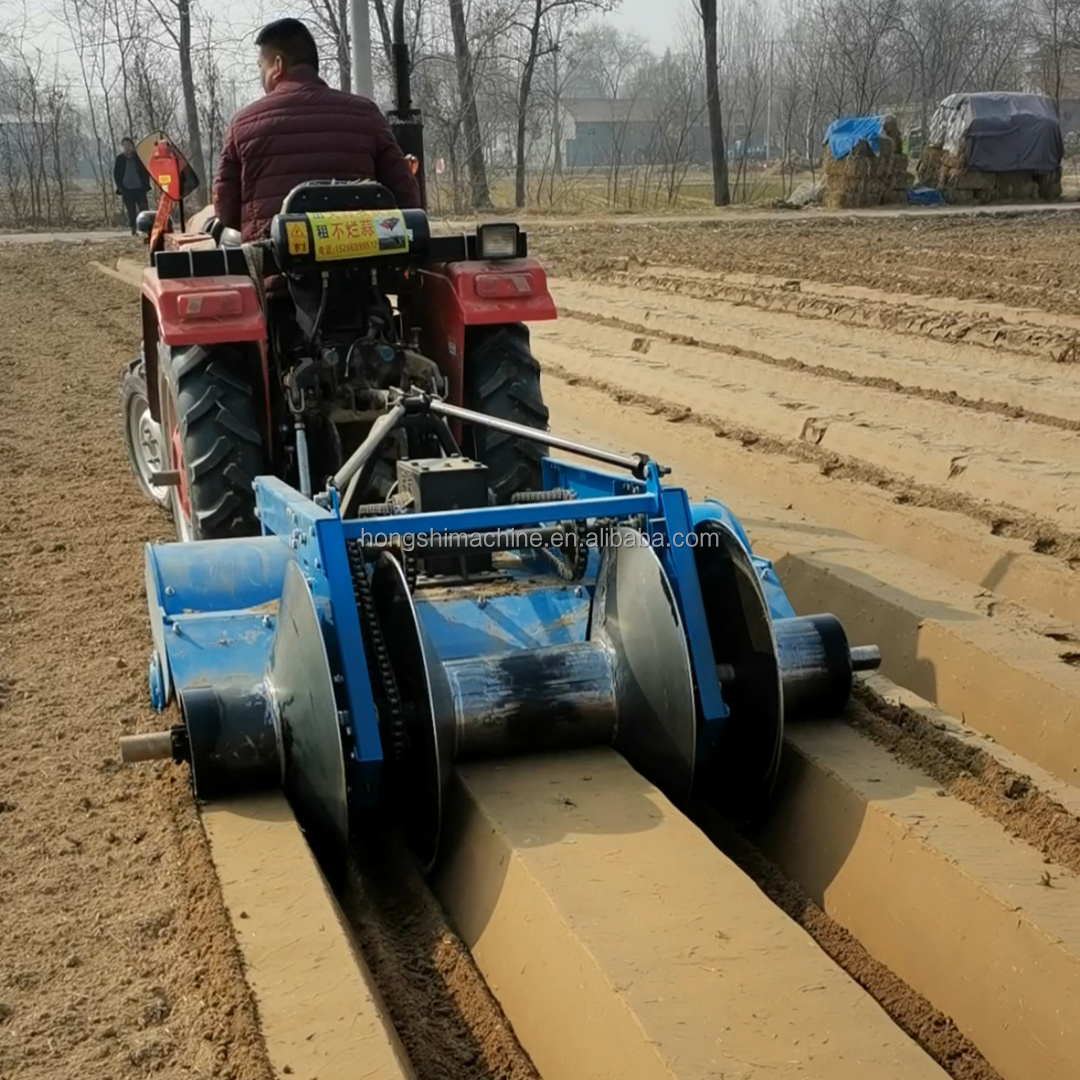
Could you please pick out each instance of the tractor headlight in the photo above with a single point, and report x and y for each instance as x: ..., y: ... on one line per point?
x: 497, y: 241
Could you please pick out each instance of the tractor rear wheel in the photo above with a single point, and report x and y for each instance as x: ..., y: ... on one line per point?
x: 216, y: 447
x: 502, y: 380
x: 142, y: 434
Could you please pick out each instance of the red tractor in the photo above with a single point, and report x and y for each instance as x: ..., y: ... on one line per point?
x: 276, y: 357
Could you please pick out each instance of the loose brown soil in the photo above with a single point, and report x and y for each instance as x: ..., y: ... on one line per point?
x: 451, y: 1026
x: 1026, y: 260
x: 116, y: 957
x: 1045, y: 537
x: 973, y: 775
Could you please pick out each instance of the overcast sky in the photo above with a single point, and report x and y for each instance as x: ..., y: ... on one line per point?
x: 659, y: 24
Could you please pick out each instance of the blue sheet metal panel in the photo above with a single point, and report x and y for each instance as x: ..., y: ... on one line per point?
x: 677, y: 555
x: 779, y: 605
x: 204, y: 649
x: 219, y: 575
x: 281, y: 508
x: 714, y: 510
x: 467, y: 625
x: 316, y: 538
x: 207, y: 576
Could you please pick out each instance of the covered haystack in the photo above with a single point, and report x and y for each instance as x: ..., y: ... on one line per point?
x: 864, y: 163
x: 993, y: 147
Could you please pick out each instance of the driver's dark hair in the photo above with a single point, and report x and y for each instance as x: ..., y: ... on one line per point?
x: 292, y: 40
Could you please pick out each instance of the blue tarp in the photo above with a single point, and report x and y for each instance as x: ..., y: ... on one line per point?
x: 843, y: 136
x: 924, y: 196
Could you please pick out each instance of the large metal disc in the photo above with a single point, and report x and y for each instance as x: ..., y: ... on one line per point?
x: 745, y: 763
x: 636, y: 616
x: 421, y: 771
x: 302, y: 692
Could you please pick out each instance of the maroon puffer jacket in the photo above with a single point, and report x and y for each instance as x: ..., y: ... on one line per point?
x: 303, y: 130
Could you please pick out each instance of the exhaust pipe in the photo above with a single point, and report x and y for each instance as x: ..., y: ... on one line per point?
x: 405, y: 120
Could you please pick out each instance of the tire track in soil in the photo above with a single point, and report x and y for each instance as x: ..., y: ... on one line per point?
x: 117, y: 957
x: 789, y: 363
x: 1045, y: 537
x: 909, y: 1010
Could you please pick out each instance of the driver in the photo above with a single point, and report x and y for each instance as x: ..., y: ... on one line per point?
x: 301, y: 130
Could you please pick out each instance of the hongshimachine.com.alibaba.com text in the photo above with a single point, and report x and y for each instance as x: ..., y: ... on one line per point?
x: 568, y: 540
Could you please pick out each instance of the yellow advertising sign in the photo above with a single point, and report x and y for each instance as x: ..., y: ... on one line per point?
x: 296, y: 233
x: 358, y: 234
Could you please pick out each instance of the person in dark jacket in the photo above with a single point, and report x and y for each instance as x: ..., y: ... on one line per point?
x: 301, y: 130
x: 132, y: 181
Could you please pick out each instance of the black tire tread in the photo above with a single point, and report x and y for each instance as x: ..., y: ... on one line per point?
x: 502, y: 380
x: 222, y: 447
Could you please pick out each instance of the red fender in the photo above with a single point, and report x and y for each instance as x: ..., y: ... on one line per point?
x: 455, y: 296
x: 202, y: 311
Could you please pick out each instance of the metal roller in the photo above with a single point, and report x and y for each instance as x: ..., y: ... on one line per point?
x: 629, y: 685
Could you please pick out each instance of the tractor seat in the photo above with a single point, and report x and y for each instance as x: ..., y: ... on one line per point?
x: 322, y: 196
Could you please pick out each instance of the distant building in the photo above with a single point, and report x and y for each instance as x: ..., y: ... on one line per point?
x: 600, y: 132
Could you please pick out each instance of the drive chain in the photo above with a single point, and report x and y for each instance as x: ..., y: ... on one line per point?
x: 380, y: 670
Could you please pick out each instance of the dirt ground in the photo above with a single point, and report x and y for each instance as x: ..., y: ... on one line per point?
x: 934, y: 363
x: 116, y: 957
x: 1020, y: 259
x: 889, y: 352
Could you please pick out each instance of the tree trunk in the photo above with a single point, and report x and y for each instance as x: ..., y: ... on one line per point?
x: 344, y: 56
x: 721, y: 191
x: 470, y: 115
x: 556, y: 122
x: 524, y: 91
x: 384, y: 32
x: 522, y: 122
x: 191, y: 105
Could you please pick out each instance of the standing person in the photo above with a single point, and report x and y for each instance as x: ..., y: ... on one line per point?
x: 132, y: 181
x: 301, y: 130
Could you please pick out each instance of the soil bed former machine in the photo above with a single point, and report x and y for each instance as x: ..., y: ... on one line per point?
x: 385, y: 570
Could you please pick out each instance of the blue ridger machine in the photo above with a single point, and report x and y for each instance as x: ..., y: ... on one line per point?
x: 353, y: 662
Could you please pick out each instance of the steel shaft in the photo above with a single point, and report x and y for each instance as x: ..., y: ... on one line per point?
x: 153, y: 746
x: 544, y: 438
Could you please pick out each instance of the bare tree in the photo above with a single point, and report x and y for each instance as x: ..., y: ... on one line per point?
x: 677, y: 86
x: 532, y: 23
x: 707, y: 9
x: 474, y: 147
x: 331, y: 19
x: 617, y: 65
x: 175, y: 18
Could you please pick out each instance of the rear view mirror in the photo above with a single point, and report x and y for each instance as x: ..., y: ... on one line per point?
x: 169, y: 170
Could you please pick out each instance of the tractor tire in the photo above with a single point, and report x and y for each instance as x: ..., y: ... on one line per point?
x: 502, y: 380
x: 143, y: 438
x: 217, y: 449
